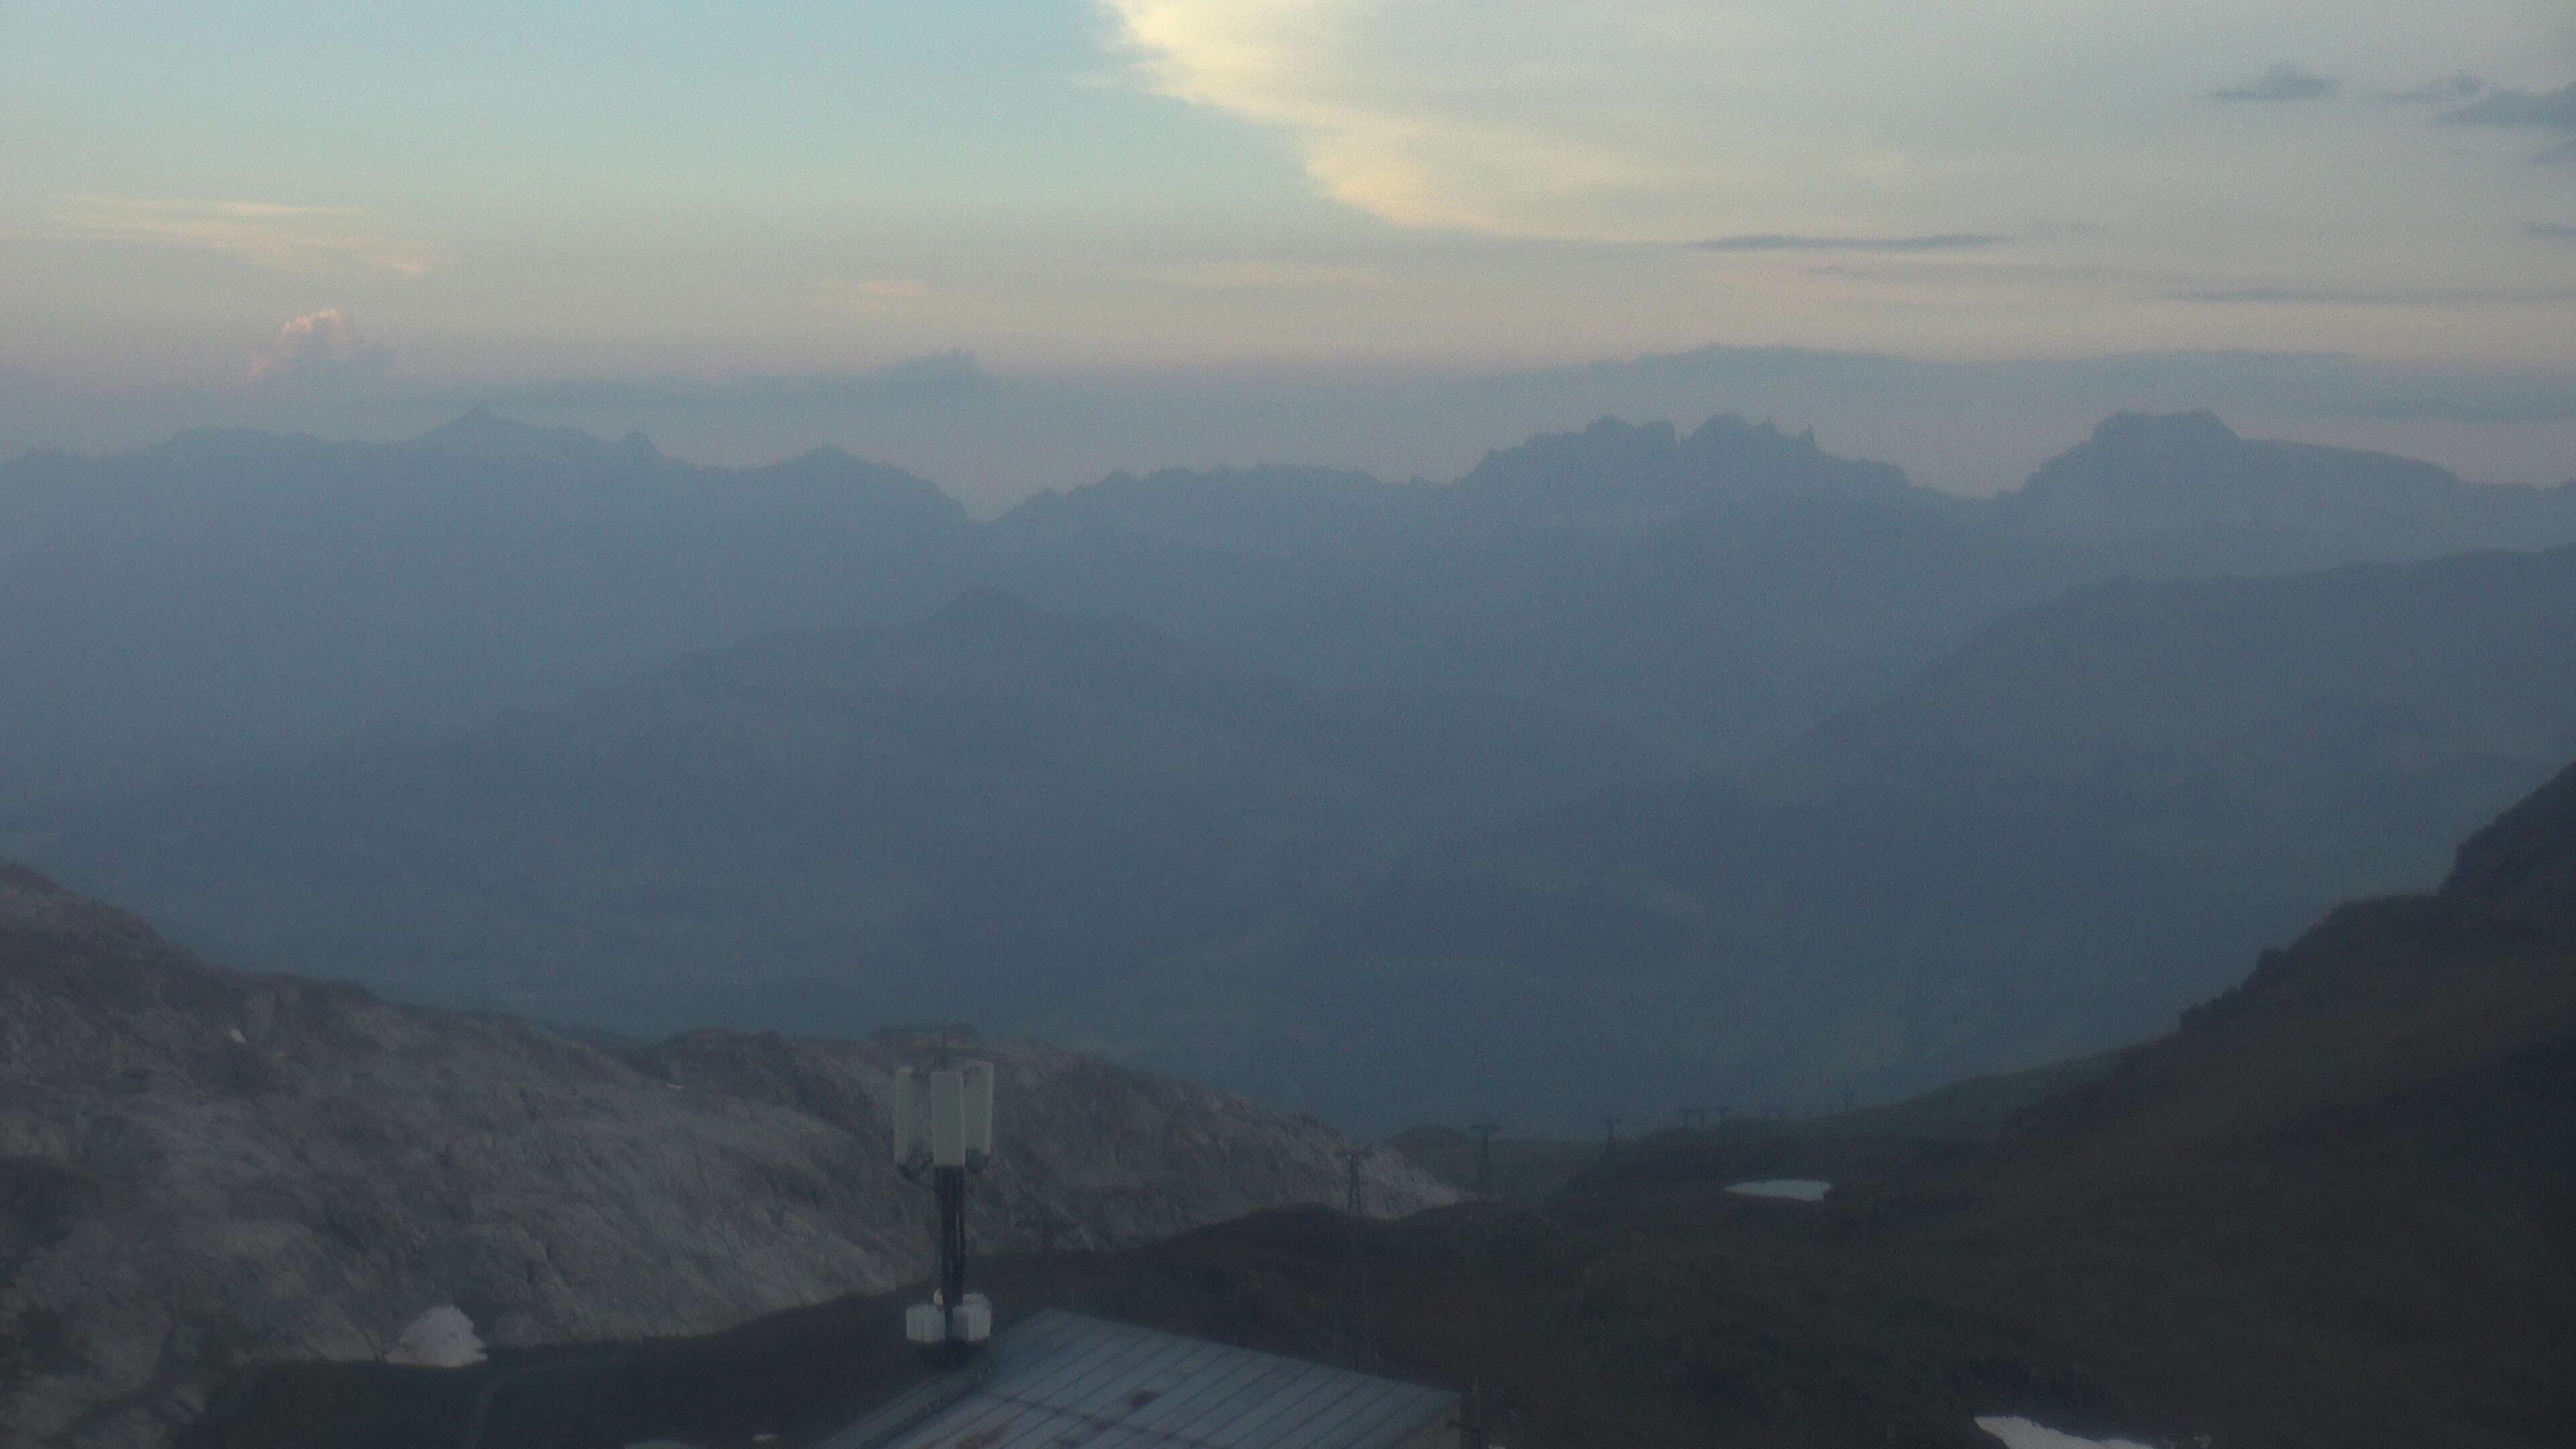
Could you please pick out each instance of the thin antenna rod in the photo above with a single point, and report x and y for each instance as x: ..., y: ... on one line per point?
x: 1485, y: 1157
x: 1351, y: 1158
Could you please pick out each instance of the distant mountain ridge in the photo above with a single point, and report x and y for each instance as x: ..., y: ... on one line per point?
x: 229, y: 600
x: 1614, y: 473
x: 2185, y: 491
x: 479, y: 472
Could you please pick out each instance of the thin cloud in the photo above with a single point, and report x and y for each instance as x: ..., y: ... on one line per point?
x: 2534, y: 110
x: 2453, y: 91
x: 2283, y: 83
x: 936, y: 375
x: 1789, y: 242
x: 2292, y: 296
x: 2526, y: 110
x: 2552, y: 231
x: 1273, y: 276
x: 268, y: 234
x: 1653, y: 122
x: 867, y: 294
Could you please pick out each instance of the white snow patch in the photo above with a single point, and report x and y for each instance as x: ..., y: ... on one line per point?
x: 2020, y: 1433
x: 1796, y: 1189
x: 441, y: 1338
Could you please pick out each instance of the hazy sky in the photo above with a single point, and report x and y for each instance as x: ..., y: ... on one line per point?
x: 473, y: 195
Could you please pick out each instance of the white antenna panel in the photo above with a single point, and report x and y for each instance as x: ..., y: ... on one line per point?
x: 979, y: 1108
x: 907, y: 1113
x: 947, y: 1119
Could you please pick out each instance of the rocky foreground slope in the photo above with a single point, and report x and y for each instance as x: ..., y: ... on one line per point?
x: 201, y: 1167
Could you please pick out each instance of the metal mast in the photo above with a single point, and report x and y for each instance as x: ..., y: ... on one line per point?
x: 959, y: 1110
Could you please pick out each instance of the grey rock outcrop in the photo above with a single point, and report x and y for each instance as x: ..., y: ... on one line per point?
x: 201, y: 1167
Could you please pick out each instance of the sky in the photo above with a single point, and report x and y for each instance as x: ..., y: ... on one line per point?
x: 748, y: 227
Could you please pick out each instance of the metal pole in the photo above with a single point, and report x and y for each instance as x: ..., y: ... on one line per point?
x: 1352, y: 1157
x: 951, y: 1185
x: 1484, y: 1158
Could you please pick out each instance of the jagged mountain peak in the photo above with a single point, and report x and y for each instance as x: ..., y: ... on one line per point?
x: 1616, y: 472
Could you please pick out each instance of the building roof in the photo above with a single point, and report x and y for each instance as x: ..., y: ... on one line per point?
x: 1064, y: 1381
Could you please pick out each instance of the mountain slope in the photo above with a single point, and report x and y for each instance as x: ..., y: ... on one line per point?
x: 2328, y: 1210
x: 2065, y: 833
x: 199, y: 1166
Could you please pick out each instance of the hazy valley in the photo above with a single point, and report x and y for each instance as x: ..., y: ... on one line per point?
x: 1778, y: 779
x: 1637, y: 770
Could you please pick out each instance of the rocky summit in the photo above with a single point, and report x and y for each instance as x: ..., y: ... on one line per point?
x: 202, y: 1167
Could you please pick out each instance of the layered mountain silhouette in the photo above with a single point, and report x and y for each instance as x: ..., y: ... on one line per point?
x: 233, y: 599
x: 2051, y: 842
x: 506, y: 714
x: 976, y: 816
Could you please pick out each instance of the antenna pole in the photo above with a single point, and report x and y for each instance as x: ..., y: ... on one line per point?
x: 1356, y: 1341
x: 950, y: 1183
x: 1610, y: 1139
x: 1351, y: 1158
x: 1485, y: 1157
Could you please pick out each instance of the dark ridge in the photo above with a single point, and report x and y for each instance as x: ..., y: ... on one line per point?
x: 2526, y: 860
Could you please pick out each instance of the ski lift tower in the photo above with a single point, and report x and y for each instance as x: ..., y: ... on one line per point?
x: 946, y: 1132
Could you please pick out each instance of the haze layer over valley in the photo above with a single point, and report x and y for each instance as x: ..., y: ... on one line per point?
x: 1636, y: 763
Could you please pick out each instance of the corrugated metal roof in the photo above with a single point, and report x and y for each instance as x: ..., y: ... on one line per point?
x: 1063, y: 1381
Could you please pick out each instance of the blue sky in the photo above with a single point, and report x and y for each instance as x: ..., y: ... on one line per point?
x: 471, y: 194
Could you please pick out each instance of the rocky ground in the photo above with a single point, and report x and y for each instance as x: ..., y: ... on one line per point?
x: 200, y: 1168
